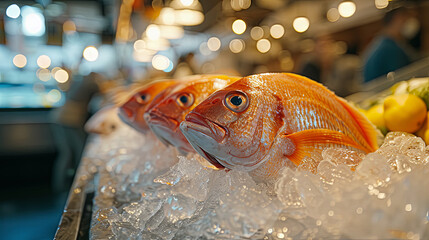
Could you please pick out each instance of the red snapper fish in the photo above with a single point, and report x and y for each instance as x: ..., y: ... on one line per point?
x: 264, y: 122
x: 165, y: 116
x: 131, y: 112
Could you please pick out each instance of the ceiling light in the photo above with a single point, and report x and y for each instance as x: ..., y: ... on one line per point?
x: 277, y: 31
x: 213, y: 44
x: 20, y: 61
x: 333, y: 15
x: 380, y: 4
x: 347, y: 9
x: 90, y: 53
x: 256, y: 33
x: 263, y: 45
x: 160, y: 62
x: 239, y: 26
x: 13, y: 11
x: 236, y: 45
x: 301, y: 24
x: 43, y: 61
x: 153, y: 32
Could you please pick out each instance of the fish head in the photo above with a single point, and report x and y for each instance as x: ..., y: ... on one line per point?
x: 164, y: 119
x: 132, y: 111
x: 235, y: 127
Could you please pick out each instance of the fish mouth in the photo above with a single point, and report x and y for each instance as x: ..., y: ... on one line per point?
x: 206, y: 126
x: 158, y: 130
x: 186, y: 126
x: 155, y: 117
x: 126, y: 114
x: 212, y: 159
x: 199, y: 135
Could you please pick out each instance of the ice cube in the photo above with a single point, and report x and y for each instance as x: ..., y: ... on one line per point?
x: 285, y: 187
x: 346, y: 156
x: 179, y: 207
x: 310, y: 163
x: 374, y: 170
x: 391, y: 136
x: 331, y: 173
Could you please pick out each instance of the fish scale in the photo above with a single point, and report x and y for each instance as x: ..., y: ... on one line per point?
x: 287, y: 118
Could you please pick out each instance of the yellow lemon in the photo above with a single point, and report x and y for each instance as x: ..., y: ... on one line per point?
x: 375, y: 115
x: 404, y: 112
x: 423, y: 132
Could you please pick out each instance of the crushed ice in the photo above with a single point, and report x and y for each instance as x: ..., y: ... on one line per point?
x: 146, y: 191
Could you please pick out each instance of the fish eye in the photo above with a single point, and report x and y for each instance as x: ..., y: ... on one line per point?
x: 236, y: 101
x: 185, y: 100
x: 142, y: 98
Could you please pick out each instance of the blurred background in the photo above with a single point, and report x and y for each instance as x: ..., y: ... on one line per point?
x: 60, y: 59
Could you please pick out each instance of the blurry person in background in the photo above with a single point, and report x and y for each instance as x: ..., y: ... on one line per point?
x: 390, y: 51
x: 317, y: 65
x: 346, y: 75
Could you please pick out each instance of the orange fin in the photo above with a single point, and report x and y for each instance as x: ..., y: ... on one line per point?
x: 306, y: 142
x: 370, y: 132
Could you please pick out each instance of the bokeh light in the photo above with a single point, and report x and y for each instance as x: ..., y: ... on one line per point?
x: 244, y: 4
x: 13, y: 11
x: 213, y: 44
x: 54, y: 70
x: 43, y: 61
x: 20, y: 61
x: 157, y: 45
x: 204, y: 50
x: 340, y: 47
x: 54, y: 96
x: 153, y: 32
x: 235, y: 5
x: 301, y: 24
x: 187, y: 17
x: 347, y: 9
x: 236, y: 45
x: 238, y: 26
x: 43, y: 74
x: 333, y: 15
x: 139, y: 45
x: 238, y: 5
x: 61, y: 76
x: 170, y: 67
x: 277, y: 31
x: 160, y: 62
x: 90, y: 53
x: 69, y: 26
x: 171, y: 32
x: 167, y: 16
x: 263, y: 45
x: 187, y: 3
x: 33, y: 23
x: 256, y: 33
x: 143, y: 56
x: 380, y: 4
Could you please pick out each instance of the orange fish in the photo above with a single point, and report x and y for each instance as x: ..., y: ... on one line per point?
x: 263, y: 122
x: 132, y: 111
x: 165, y: 117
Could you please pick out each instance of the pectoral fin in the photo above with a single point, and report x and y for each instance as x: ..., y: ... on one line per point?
x: 307, y: 141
